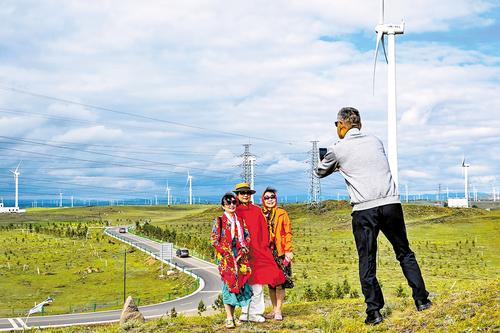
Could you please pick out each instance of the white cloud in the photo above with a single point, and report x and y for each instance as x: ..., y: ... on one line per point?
x: 91, y: 134
x: 415, y: 174
x: 285, y: 165
x: 256, y: 69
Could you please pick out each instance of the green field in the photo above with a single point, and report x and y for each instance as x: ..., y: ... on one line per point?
x: 457, y: 250
x: 80, y: 273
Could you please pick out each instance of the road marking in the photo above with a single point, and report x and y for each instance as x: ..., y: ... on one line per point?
x: 209, y: 291
x: 13, y: 323
x: 21, y: 322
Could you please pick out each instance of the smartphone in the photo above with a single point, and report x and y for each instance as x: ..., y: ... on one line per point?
x: 322, y: 153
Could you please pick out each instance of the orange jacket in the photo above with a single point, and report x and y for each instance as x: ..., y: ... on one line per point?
x: 282, y: 232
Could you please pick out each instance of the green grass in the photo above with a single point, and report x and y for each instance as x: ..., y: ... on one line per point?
x: 455, y: 247
x: 457, y: 250
x: 475, y: 310
x: 81, y: 275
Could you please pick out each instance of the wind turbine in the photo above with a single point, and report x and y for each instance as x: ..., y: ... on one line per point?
x: 391, y: 30
x: 16, y: 179
x: 465, y: 167
x: 168, y: 194
x: 190, y: 181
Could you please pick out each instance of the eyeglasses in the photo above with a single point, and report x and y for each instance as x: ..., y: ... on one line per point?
x: 245, y: 192
x: 269, y: 197
x: 230, y: 202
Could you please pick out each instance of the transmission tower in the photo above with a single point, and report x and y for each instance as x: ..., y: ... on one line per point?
x: 248, y: 166
x: 315, y: 185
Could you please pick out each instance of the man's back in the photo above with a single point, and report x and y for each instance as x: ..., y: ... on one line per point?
x: 362, y: 161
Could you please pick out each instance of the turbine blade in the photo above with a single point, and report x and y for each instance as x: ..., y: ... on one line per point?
x: 383, y: 47
x: 380, y: 34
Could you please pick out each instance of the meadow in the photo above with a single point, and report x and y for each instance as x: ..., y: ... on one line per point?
x: 67, y: 256
x: 457, y: 250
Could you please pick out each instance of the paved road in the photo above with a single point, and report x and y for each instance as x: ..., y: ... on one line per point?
x: 208, y: 291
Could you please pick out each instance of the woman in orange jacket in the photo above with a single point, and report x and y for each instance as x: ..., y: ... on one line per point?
x: 280, y: 237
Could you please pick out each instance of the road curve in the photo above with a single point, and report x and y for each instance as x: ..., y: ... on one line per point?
x: 208, y: 290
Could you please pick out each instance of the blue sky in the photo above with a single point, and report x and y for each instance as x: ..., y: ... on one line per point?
x: 114, y: 99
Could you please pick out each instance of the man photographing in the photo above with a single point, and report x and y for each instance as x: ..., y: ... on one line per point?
x: 361, y: 160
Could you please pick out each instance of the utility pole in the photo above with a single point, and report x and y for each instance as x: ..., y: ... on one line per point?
x: 124, y: 275
x: 314, y: 185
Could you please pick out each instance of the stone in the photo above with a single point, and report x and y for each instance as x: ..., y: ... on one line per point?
x: 130, y: 312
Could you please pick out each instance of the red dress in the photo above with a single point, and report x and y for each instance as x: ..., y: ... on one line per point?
x: 264, y: 268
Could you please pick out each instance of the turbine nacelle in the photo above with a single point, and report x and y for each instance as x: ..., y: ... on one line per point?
x: 396, y: 29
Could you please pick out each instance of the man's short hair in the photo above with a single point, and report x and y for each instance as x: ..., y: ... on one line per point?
x: 350, y: 116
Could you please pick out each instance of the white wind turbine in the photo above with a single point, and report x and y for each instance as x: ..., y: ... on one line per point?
x: 168, y: 194
x: 391, y: 30
x: 465, y: 167
x: 16, y: 179
x: 190, y: 181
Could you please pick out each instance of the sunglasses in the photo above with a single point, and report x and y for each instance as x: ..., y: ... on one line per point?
x: 230, y: 202
x: 336, y: 124
x: 269, y: 197
x: 245, y: 192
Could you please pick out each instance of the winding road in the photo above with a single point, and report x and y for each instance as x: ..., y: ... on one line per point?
x: 209, y: 288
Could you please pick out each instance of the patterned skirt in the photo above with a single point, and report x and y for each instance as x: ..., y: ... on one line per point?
x: 240, y: 299
x: 287, y: 270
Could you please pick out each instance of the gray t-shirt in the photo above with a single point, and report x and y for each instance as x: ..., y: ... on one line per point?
x: 361, y: 159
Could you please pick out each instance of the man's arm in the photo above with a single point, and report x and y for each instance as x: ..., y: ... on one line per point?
x: 327, y: 165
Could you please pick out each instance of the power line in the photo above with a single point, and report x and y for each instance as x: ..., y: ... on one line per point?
x: 135, y: 115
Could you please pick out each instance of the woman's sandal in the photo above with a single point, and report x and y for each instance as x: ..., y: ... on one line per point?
x: 269, y: 315
x: 237, y: 323
x: 230, y: 323
x: 278, y: 316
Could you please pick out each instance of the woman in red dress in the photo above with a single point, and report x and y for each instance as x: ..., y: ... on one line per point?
x: 265, y: 271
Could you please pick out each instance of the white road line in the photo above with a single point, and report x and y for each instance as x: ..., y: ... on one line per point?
x: 13, y: 323
x: 209, y: 291
x: 21, y: 322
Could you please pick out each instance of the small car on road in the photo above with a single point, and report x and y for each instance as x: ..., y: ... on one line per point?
x: 182, y: 253
x: 122, y: 230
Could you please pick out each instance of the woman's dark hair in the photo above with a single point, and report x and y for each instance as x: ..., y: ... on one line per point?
x: 227, y: 198
x: 270, y: 189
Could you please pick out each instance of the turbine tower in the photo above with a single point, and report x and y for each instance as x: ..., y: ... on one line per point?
x: 168, y: 194
x: 190, y: 180
x: 16, y: 179
x: 391, y: 30
x: 466, y: 166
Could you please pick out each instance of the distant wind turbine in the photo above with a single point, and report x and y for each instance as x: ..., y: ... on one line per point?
x: 168, y: 194
x: 465, y: 167
x: 16, y: 179
x: 190, y: 181
x: 391, y: 30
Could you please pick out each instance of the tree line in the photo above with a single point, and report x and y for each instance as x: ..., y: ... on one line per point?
x: 201, y: 245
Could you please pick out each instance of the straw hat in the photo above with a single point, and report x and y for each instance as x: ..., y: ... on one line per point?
x: 243, y: 187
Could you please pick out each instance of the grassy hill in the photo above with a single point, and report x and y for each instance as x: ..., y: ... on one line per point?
x: 457, y: 250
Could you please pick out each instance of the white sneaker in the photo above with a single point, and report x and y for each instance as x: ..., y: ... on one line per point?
x: 244, y: 317
x: 257, y: 318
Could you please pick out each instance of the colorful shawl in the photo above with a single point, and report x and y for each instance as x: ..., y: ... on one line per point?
x: 233, y: 273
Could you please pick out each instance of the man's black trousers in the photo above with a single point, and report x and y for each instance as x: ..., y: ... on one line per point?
x: 366, y: 225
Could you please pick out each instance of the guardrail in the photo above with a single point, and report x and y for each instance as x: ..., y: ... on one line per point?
x: 155, y: 254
